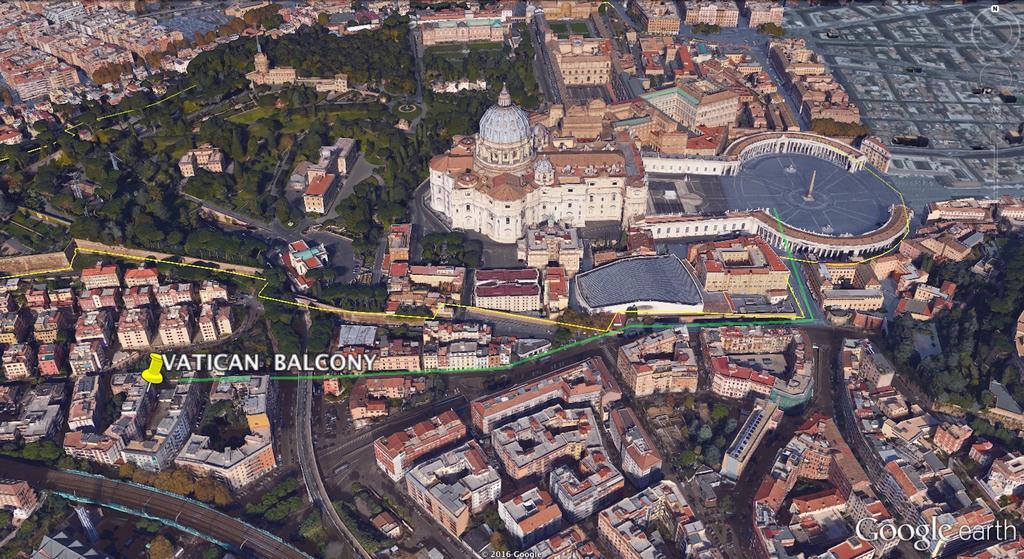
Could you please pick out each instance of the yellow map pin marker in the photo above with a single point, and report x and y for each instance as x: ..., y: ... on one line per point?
x: 152, y: 373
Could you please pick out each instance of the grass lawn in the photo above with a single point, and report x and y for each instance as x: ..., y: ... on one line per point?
x: 296, y: 123
x: 564, y: 29
x: 580, y: 27
x: 252, y: 115
x: 456, y: 50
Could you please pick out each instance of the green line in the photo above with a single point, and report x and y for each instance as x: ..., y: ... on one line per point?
x: 795, y: 275
x: 691, y: 325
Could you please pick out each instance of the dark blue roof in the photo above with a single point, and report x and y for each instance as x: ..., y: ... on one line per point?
x: 641, y: 278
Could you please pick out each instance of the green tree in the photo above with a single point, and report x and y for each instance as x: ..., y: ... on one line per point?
x: 161, y: 548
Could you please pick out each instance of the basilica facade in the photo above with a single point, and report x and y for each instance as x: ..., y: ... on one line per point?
x: 510, y: 176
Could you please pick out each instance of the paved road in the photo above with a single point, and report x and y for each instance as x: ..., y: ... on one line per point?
x: 363, y: 440
x: 548, y: 77
x: 311, y: 472
x: 247, y: 540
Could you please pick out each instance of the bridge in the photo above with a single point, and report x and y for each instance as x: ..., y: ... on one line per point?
x: 191, y: 516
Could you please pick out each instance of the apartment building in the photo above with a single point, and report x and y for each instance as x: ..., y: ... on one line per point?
x: 19, y: 362
x: 142, y: 276
x: 633, y: 526
x: 37, y: 297
x: 641, y: 461
x: 88, y: 357
x: 513, y: 290
x: 51, y: 358
x: 174, y: 294
x: 951, y: 437
x: 396, y: 453
x: 657, y: 17
x: 13, y: 328
x: 658, y: 363
x: 100, y: 276
x: 135, y: 328
x: 19, y: 496
x: 592, y: 484
x: 96, y: 299
x: 570, y: 543
x: 746, y: 265
x: 454, y: 486
x: 176, y: 326
x: 722, y: 13
x: 237, y: 467
x: 63, y: 298
x: 32, y: 73
x: 40, y: 415
x: 530, y: 516
x: 95, y: 325
x: 583, y: 382
x: 95, y: 447
x: 87, y: 402
x: 398, y: 355
x: 762, y: 419
x: 531, y: 445
x: 206, y: 324
x: 48, y: 325
x: 138, y: 296
x: 730, y: 380
x: 177, y: 414
x: 59, y: 13
x: 211, y: 291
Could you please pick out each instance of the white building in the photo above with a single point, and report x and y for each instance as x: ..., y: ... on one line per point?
x: 508, y: 177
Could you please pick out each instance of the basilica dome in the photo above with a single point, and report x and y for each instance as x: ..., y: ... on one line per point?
x: 504, y: 123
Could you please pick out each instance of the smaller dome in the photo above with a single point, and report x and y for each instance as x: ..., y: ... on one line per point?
x: 543, y: 165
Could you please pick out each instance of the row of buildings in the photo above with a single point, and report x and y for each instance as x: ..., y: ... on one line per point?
x: 953, y: 231
x: 47, y: 42
x: 907, y: 453
x: 153, y: 430
x: 845, y: 517
x: 451, y: 346
x: 413, y: 286
x: 662, y: 17
x: 60, y: 330
x: 538, y: 430
x: 818, y: 93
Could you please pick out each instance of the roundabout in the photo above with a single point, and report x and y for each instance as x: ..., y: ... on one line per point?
x: 407, y: 109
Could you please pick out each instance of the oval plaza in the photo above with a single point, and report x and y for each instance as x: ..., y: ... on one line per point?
x: 799, y: 191
x: 822, y: 196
